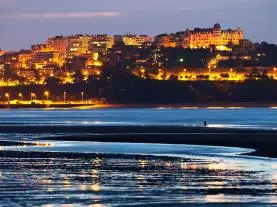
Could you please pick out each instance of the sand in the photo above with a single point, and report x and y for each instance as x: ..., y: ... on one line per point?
x: 263, y: 141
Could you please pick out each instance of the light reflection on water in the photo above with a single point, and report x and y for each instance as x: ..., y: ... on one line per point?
x: 109, y: 174
x: 96, y: 179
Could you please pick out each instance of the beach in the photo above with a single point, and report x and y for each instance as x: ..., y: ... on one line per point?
x: 263, y: 141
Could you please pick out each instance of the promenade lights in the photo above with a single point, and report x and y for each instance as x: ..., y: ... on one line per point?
x: 64, y: 96
x: 7, y: 95
x: 46, y: 93
x: 20, y: 95
x: 82, y: 94
x: 33, y: 95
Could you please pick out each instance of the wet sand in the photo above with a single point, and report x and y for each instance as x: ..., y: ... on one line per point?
x: 263, y: 141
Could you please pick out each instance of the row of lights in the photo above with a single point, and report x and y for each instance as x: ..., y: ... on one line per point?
x: 46, y: 94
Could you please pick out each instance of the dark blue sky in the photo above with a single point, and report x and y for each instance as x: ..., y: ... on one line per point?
x: 24, y: 22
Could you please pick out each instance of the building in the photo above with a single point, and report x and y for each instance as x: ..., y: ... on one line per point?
x: 245, y: 47
x: 101, y: 43
x: 24, y: 59
x: 171, y: 40
x: 59, y: 44
x: 165, y: 40
x: 78, y: 45
x: 206, y: 38
x: 1, y: 52
x: 202, y: 38
x: 136, y: 40
x: 41, y: 59
x: 39, y: 48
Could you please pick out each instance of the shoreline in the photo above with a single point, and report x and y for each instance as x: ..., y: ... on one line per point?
x: 211, y: 105
x: 264, y: 142
x: 43, y: 106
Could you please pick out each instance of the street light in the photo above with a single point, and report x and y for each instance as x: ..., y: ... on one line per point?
x: 46, y: 93
x: 64, y: 96
x: 82, y: 93
x: 7, y: 95
x: 20, y: 95
x: 33, y: 95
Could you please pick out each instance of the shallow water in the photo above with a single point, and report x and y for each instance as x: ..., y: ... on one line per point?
x: 216, y: 117
x: 58, y: 173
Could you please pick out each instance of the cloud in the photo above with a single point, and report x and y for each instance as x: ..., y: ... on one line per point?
x: 60, y: 15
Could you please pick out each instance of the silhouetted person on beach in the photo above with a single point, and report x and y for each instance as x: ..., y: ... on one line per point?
x: 205, y: 123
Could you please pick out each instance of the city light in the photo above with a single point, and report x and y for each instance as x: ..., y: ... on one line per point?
x: 61, y: 59
x: 7, y: 95
x: 33, y: 96
x: 46, y: 93
x: 64, y: 96
x: 82, y: 95
x: 20, y: 95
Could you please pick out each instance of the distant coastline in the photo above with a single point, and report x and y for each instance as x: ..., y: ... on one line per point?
x: 211, y: 105
x: 43, y: 106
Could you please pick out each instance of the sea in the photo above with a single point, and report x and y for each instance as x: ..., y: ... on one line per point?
x: 97, y: 174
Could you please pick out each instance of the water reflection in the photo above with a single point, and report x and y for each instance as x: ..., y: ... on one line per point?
x: 113, y: 179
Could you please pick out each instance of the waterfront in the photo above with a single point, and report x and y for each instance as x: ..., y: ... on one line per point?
x: 62, y: 173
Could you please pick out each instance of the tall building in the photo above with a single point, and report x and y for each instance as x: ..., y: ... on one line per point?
x: 78, y: 45
x: 101, y: 43
x: 205, y: 38
x: 59, y: 44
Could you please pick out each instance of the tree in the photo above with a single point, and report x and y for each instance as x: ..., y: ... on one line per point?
x: 78, y: 77
x: 53, y: 81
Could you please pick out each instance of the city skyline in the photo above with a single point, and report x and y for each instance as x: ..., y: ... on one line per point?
x: 145, y: 17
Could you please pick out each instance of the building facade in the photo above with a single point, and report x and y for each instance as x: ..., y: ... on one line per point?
x: 205, y: 38
x: 136, y: 40
x: 202, y: 38
x: 101, y: 43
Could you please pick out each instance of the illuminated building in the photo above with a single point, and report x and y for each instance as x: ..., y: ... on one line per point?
x: 24, y: 59
x: 2, y: 69
x: 171, y: 40
x: 58, y: 43
x: 101, y: 43
x: 10, y: 59
x: 206, y: 38
x: 41, y: 59
x: 202, y: 38
x: 28, y: 75
x: 39, y: 48
x: 136, y: 40
x: 1, y: 52
x: 165, y: 40
x: 78, y: 45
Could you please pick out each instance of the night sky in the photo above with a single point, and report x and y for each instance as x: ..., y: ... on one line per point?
x: 25, y: 22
